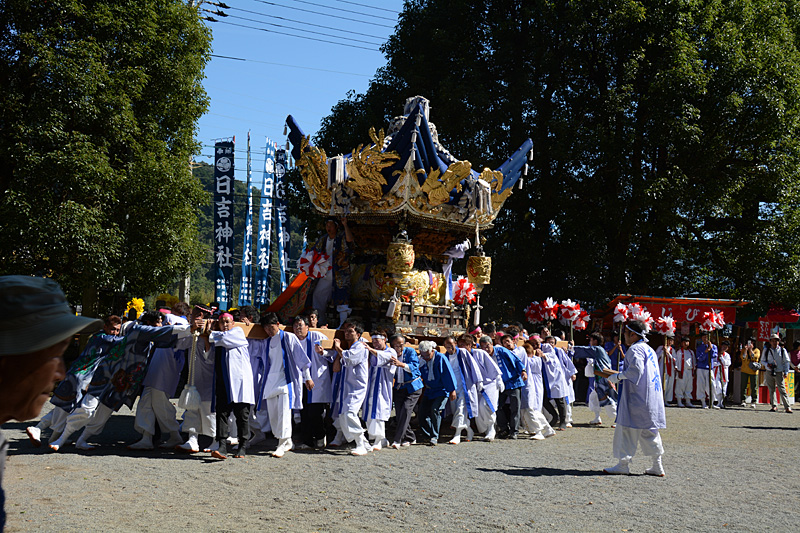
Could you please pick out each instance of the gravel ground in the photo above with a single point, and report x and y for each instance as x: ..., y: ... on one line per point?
x: 734, y: 469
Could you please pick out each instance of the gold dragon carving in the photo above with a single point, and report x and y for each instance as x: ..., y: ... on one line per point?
x: 438, y: 186
x: 313, y: 165
x: 495, y: 180
x: 365, y: 166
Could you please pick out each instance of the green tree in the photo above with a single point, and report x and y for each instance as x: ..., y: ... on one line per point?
x: 98, y: 105
x: 665, y: 139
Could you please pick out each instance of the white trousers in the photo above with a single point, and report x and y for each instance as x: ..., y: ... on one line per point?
x: 78, y: 418
x: 201, y: 422
x: 486, y: 418
x: 594, y: 406
x: 260, y: 419
x: 459, y: 408
x: 702, y: 384
x: 322, y: 295
x: 720, y: 389
x: 350, y: 426
x: 56, y: 419
x: 627, y: 439
x: 96, y: 422
x: 154, y: 405
x: 534, y: 421
x: 669, y: 386
x: 683, y: 386
x: 376, y: 429
x: 280, y: 416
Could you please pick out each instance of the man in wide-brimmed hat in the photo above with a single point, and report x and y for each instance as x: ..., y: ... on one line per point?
x: 35, y: 331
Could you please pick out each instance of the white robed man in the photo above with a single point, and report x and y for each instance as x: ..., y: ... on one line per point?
x: 201, y: 421
x: 640, y: 414
x: 352, y: 365
x: 684, y: 363
x: 233, y: 383
x: 666, y: 364
x: 286, y: 365
x: 722, y: 375
x: 378, y: 402
x: 469, y: 384
x: 492, y: 385
x: 533, y: 392
x: 160, y: 383
x: 570, y: 374
x: 555, y: 387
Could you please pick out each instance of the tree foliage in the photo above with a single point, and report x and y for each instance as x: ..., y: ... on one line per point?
x: 665, y: 139
x: 98, y: 106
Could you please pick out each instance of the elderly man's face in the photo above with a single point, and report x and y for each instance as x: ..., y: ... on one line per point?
x: 487, y: 346
x: 225, y: 323
x: 27, y: 380
x: 426, y: 355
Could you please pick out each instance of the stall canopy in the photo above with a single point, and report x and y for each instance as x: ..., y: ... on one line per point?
x: 681, y: 309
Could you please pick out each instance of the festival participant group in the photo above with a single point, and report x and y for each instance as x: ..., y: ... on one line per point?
x: 489, y: 384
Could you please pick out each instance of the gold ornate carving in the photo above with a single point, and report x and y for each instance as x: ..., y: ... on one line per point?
x: 314, y: 169
x: 438, y: 186
x: 495, y: 180
x: 399, y: 258
x: 479, y: 269
x: 365, y: 166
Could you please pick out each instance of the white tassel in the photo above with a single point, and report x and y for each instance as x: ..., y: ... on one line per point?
x: 530, y: 155
x: 521, y: 182
x: 525, y: 170
x: 477, y: 320
x: 392, y: 305
x: 335, y: 171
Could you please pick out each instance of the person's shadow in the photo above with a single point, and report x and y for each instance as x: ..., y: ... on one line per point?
x: 545, y: 471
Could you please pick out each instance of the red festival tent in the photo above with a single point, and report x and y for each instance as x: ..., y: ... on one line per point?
x: 681, y: 309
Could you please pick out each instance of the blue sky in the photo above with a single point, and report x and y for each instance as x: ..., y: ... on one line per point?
x: 284, y: 74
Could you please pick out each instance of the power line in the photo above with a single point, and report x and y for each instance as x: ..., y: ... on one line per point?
x: 300, y: 29
x: 291, y: 66
x: 298, y: 36
x: 367, y: 5
x: 350, y: 19
x: 308, y: 23
x: 344, y: 10
x: 246, y: 120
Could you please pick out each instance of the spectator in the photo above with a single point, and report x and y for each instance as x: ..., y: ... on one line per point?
x: 36, y: 328
x: 775, y: 361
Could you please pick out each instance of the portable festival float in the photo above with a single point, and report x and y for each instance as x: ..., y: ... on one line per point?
x: 414, y: 207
